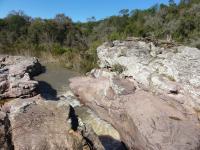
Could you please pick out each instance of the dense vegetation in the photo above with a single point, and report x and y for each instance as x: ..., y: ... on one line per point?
x: 74, y: 44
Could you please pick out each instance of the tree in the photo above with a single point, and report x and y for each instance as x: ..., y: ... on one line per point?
x: 153, y: 9
x: 16, y: 21
x: 124, y: 12
x: 36, y: 31
x: 172, y: 3
x: 185, y: 1
x: 62, y: 19
x: 91, y: 19
x: 2, y: 24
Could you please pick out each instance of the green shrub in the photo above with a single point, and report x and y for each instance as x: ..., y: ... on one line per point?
x: 116, y: 36
x: 57, y: 49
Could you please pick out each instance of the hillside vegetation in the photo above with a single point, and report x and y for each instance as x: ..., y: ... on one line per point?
x: 75, y: 43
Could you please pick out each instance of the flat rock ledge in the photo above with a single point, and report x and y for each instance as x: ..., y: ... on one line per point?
x: 15, y: 76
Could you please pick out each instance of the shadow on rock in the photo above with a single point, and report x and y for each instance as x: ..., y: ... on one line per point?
x: 36, y: 70
x: 39, y: 69
x: 110, y: 143
x: 47, y: 91
x: 43, y: 69
x: 74, y: 119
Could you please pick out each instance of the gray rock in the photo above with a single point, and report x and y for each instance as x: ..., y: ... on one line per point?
x: 164, y: 70
x: 15, y: 77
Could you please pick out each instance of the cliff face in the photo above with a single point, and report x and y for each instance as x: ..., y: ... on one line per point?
x: 153, y: 100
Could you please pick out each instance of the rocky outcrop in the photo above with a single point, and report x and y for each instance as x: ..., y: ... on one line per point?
x: 108, y: 136
x: 39, y: 124
x: 31, y: 122
x: 144, y: 121
x: 149, y: 91
x: 15, y: 76
x: 172, y: 71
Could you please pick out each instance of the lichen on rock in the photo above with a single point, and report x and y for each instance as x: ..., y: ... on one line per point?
x: 153, y: 103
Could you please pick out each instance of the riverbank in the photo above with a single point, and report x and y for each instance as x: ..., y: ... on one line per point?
x: 54, y: 84
x: 52, y: 87
x: 26, y: 119
x: 145, y: 95
x: 79, y: 61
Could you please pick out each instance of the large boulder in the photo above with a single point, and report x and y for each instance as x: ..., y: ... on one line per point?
x: 15, y: 76
x: 171, y: 71
x: 144, y: 121
x: 39, y: 124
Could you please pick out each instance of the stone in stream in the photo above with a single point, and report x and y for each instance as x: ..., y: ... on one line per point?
x: 15, y: 76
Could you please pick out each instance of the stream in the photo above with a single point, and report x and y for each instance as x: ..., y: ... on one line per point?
x: 54, y: 83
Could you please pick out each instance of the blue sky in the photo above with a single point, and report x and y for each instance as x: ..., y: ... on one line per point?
x: 78, y: 10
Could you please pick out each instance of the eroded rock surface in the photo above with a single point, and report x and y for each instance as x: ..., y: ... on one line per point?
x: 108, y: 136
x: 15, y: 76
x: 31, y: 122
x: 171, y: 71
x: 150, y: 93
x: 144, y: 121
x: 39, y: 124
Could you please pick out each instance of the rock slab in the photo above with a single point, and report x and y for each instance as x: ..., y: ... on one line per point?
x: 144, y: 121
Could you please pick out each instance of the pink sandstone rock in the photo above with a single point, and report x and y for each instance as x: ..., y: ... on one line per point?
x: 144, y: 121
